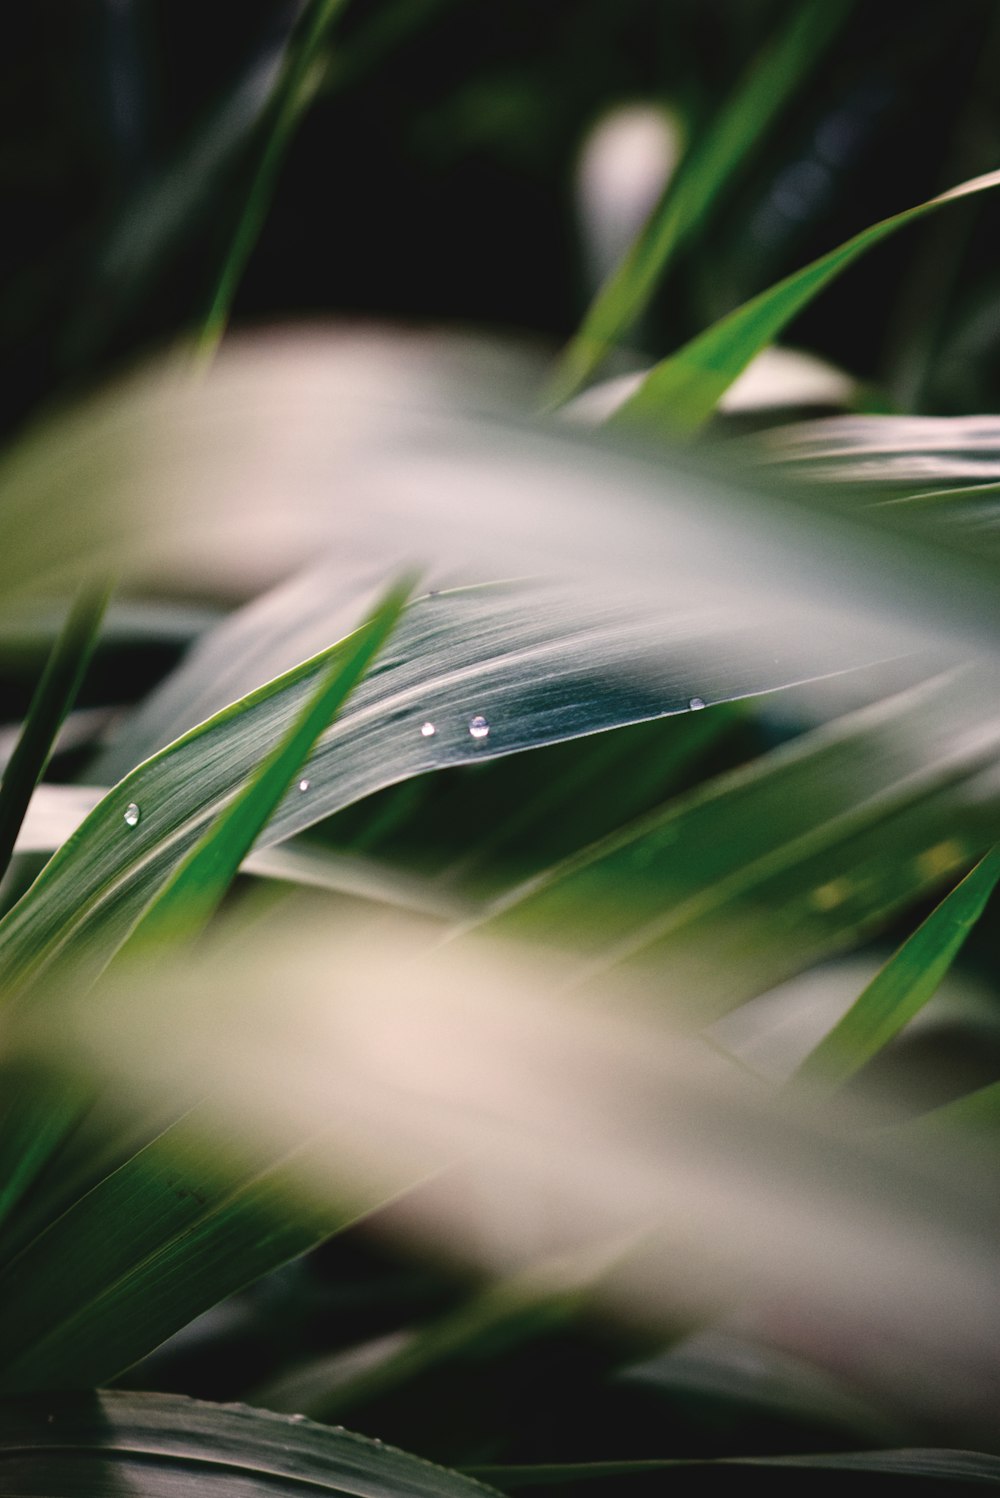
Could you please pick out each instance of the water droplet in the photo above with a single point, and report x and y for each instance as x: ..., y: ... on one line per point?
x: 479, y: 727
x: 303, y: 785
x: 378, y: 1443
x: 297, y: 1419
x: 132, y: 815
x: 428, y: 730
x: 696, y: 704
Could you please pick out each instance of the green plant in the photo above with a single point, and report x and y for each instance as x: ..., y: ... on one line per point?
x: 415, y: 1022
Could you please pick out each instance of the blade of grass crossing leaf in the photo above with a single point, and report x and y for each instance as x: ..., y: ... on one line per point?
x: 287, y: 107
x: 750, y: 110
x: 907, y: 982
x: 680, y: 393
x: 196, y: 888
x: 54, y: 696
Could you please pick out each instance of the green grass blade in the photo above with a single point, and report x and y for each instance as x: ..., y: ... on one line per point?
x: 752, y: 107
x: 680, y: 393
x: 53, y: 698
x: 155, y: 1445
x: 187, y: 902
x: 905, y: 984
x: 287, y: 105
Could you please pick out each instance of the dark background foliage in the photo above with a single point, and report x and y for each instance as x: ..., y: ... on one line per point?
x: 433, y: 178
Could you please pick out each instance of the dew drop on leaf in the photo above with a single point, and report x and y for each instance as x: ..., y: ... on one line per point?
x: 479, y: 727
x: 132, y: 815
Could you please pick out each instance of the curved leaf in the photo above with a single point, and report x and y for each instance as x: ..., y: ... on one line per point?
x: 167, y: 1446
x: 538, y: 665
x: 680, y: 393
x: 750, y: 109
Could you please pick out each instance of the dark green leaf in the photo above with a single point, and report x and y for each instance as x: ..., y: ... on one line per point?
x: 54, y: 696
x: 166, y: 1446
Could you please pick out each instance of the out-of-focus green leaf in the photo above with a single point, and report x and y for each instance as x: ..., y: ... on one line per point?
x: 680, y: 393
x: 168, y: 1233
x: 734, y: 887
x: 166, y: 1446
x: 773, y: 77
x: 278, y: 127
x: 905, y: 984
x: 369, y: 1076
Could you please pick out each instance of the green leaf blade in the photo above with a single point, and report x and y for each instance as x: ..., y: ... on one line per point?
x: 745, y: 117
x: 53, y: 699
x: 195, y: 890
x: 905, y: 984
x: 680, y: 393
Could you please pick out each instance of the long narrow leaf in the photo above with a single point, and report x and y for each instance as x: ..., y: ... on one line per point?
x: 186, y: 903
x: 537, y: 666
x: 905, y: 984
x: 940, y: 1470
x: 747, y: 113
x: 680, y: 393
x: 163, y: 1445
x: 54, y: 696
x: 286, y: 108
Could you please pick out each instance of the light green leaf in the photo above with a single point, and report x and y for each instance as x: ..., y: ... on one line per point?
x: 904, y: 985
x: 745, y: 116
x: 680, y: 393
